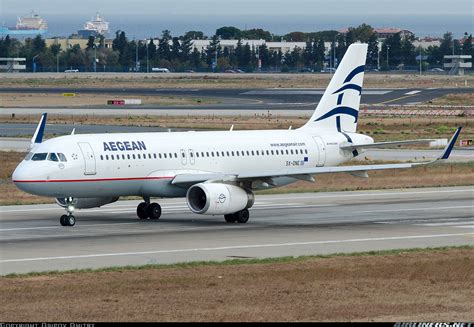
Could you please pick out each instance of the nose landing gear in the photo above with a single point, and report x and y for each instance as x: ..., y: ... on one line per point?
x: 68, y: 219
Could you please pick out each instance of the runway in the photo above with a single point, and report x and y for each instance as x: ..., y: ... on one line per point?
x: 253, y: 99
x: 280, y: 225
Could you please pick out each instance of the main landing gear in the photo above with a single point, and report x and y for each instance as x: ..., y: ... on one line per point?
x: 148, y: 210
x: 68, y: 219
x: 241, y: 217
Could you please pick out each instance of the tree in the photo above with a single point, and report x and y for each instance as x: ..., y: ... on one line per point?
x: 257, y: 34
x: 408, y: 51
x: 90, y: 42
x: 39, y: 45
x: 213, y: 50
x: 264, y: 55
x: 175, y: 49
x: 467, y: 45
x: 296, y: 37
x: 151, y: 49
x: 228, y: 33
x: 373, y: 51
x: 185, y: 49
x: 164, y: 51
x: 195, y: 35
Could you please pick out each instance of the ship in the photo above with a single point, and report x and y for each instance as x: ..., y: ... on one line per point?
x: 97, y: 26
x: 26, y: 26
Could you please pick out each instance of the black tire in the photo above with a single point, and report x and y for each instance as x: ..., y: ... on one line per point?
x: 142, y: 210
x: 70, y: 220
x: 230, y: 218
x: 62, y: 220
x: 154, y: 211
x: 242, y: 216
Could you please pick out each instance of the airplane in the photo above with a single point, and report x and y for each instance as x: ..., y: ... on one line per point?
x: 216, y: 171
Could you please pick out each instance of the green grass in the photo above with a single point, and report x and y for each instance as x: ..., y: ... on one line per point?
x: 233, y: 262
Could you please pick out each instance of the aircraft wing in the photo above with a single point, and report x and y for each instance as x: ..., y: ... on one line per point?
x: 351, y: 147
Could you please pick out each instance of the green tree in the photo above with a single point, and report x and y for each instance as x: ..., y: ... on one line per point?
x: 467, y: 45
x: 164, y: 51
x: 228, y: 33
x: 256, y: 34
x: 373, y: 51
x: 185, y: 49
x: 195, y: 35
x: 90, y: 42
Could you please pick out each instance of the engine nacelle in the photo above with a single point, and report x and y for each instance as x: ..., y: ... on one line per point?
x: 86, y: 203
x: 218, y: 199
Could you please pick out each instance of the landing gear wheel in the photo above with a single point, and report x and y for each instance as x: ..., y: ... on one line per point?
x: 230, y: 218
x: 154, y: 211
x: 71, y: 220
x: 242, y: 216
x: 62, y: 220
x: 142, y: 210
x: 66, y: 220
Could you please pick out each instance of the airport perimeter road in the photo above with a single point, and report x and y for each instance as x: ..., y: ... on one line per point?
x: 280, y: 225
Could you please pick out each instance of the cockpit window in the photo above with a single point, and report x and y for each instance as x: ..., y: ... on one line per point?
x: 62, y: 157
x: 28, y: 156
x: 53, y: 157
x: 39, y: 156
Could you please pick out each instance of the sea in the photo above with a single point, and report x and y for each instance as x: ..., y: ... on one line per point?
x: 147, y: 26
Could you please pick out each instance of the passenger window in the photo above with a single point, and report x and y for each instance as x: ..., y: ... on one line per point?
x: 243, y: 153
x: 39, y: 156
x: 106, y: 157
x: 257, y: 152
x: 128, y: 156
x: 232, y: 153
x: 175, y: 155
x: 101, y: 157
x: 133, y: 156
x: 191, y: 155
x: 123, y: 156
x: 53, y: 157
x: 212, y: 154
x: 291, y: 151
x: 237, y: 152
x: 197, y: 154
x: 306, y: 151
x: 276, y: 151
x: 164, y: 154
x: 248, y: 153
x: 223, y: 154
x: 253, y: 153
x: 112, y: 156
x: 154, y: 155
x: 217, y: 153
x: 138, y: 155
x: 287, y: 152
x: 228, y: 154
x: 268, y: 153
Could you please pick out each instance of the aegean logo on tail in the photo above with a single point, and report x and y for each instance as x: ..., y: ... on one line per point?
x: 344, y: 110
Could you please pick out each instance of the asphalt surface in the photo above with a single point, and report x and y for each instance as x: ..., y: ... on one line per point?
x: 31, y: 238
x: 251, y: 99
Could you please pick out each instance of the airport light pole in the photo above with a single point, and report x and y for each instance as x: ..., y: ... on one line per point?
x: 147, y: 66
x: 34, y: 63
x: 388, y: 47
x: 95, y: 58
x: 421, y: 58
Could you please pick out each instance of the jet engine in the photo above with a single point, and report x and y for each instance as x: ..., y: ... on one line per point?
x: 86, y: 203
x: 218, y: 199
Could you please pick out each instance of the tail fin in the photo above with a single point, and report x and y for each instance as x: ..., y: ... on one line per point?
x: 339, y: 106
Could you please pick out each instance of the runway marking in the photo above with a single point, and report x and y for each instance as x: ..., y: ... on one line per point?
x: 413, y: 92
x: 414, y: 209
x: 236, y: 247
x: 446, y: 224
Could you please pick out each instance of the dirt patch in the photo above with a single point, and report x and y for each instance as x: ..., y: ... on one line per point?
x: 409, y: 286
x: 203, y: 80
x: 464, y: 99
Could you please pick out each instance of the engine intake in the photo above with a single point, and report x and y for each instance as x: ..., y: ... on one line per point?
x: 218, y: 199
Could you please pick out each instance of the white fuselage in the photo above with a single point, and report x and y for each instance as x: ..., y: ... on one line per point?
x: 144, y: 164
